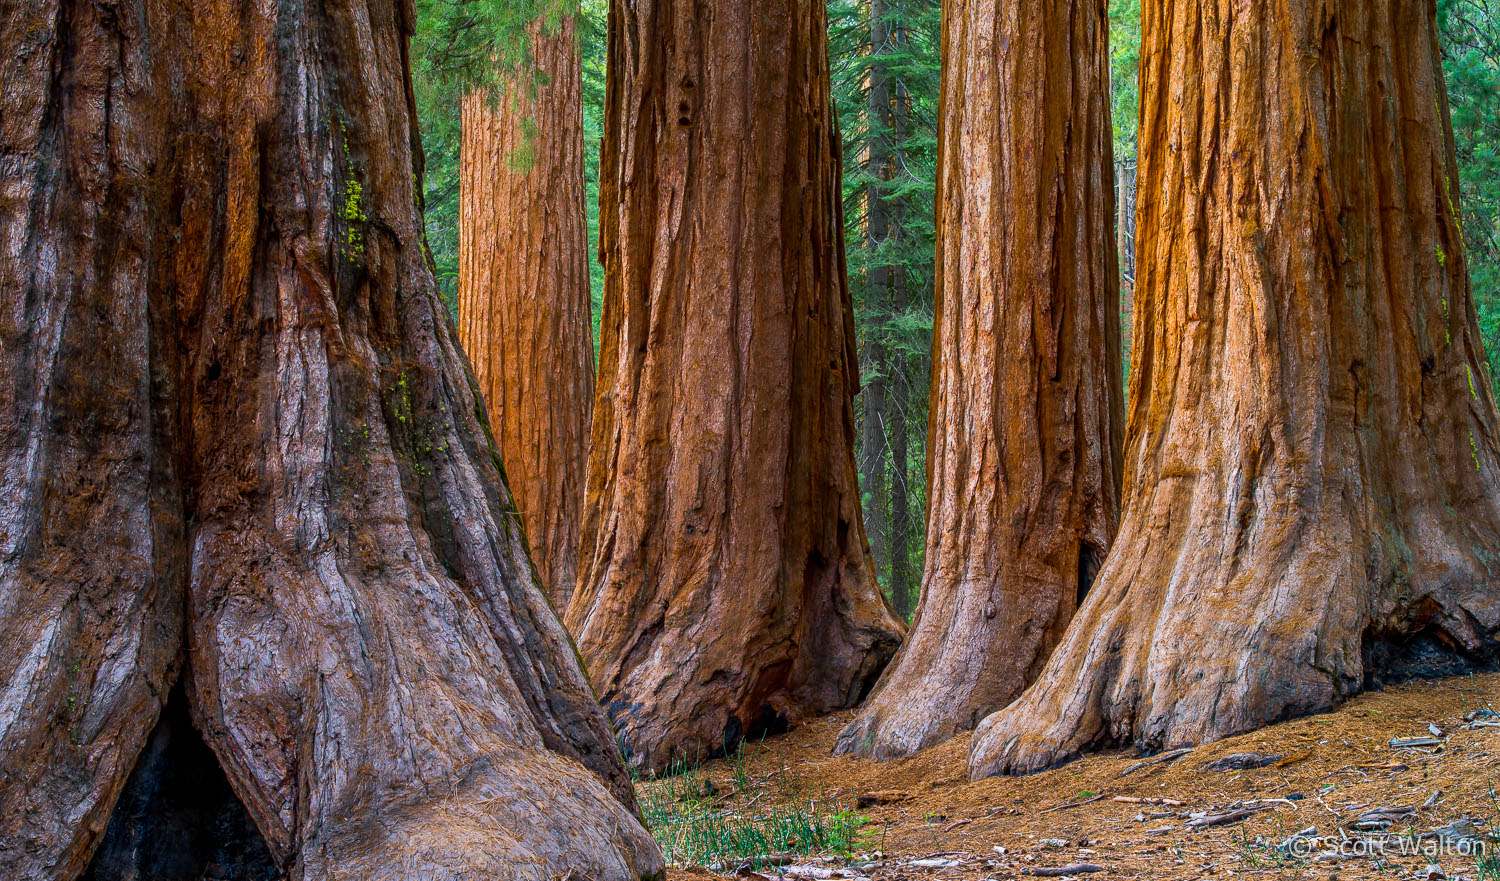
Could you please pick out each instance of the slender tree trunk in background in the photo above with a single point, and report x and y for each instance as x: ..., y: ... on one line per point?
x: 523, y: 293
x: 874, y: 397
x: 901, y: 587
x: 1314, y: 489
x: 726, y: 583
x: 227, y: 386
x: 898, y: 300
x: 874, y: 487
x: 1024, y: 443
x: 1125, y: 170
x: 1125, y: 216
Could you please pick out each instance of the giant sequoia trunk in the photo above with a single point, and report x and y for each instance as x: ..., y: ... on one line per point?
x: 523, y: 292
x: 1314, y: 489
x: 238, y: 437
x: 726, y: 583
x: 1027, y: 411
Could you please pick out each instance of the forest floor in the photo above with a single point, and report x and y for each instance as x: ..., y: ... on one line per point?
x: 1428, y: 811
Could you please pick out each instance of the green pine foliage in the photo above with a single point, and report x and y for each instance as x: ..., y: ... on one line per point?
x: 898, y: 324
x: 1125, y: 68
x: 461, y: 45
x: 1471, y: 61
x: 591, y: 27
x: 1125, y: 112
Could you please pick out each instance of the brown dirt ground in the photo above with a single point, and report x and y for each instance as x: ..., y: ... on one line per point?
x: 1347, y: 750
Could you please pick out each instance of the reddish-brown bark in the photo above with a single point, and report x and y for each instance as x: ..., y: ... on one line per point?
x: 725, y: 576
x: 93, y: 565
x: 523, y: 292
x: 1027, y: 410
x: 1313, y: 488
x: 237, y: 428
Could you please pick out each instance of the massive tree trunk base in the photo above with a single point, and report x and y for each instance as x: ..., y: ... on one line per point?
x: 1314, y: 490
x: 236, y: 430
x: 1185, y: 681
x: 1027, y: 413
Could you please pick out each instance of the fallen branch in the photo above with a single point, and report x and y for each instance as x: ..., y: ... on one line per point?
x: 1336, y: 814
x: 1137, y: 800
x: 1242, y: 762
x: 1414, y: 742
x: 818, y: 873
x: 1238, y: 816
x: 1168, y: 756
x: 1073, y: 804
x: 1294, y: 759
x: 1076, y: 869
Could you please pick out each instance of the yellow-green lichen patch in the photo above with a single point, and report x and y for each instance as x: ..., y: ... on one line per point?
x: 354, y: 217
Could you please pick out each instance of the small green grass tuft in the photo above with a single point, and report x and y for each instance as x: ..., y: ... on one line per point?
x: 741, y: 772
x: 696, y: 826
x: 1488, y: 866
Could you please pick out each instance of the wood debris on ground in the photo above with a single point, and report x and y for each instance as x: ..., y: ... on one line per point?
x: 1302, y: 799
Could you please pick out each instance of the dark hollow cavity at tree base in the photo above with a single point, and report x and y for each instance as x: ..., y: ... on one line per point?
x: 1397, y: 658
x: 178, y: 819
x: 768, y: 724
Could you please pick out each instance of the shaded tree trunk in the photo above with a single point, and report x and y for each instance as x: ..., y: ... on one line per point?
x: 873, y: 450
x: 523, y: 292
x: 1024, y: 443
x: 93, y: 563
x: 1314, y: 488
x: 874, y: 397
x: 1125, y: 217
x: 898, y: 387
x: 726, y: 584
x: 238, y: 434
x: 901, y: 517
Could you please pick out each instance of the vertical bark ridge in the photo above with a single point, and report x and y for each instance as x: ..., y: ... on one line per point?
x: 92, y: 567
x: 1024, y: 449
x: 726, y: 580
x: 523, y: 298
x: 217, y: 248
x: 1313, y: 453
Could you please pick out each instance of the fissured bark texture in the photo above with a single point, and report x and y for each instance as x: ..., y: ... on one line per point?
x: 93, y: 564
x: 237, y: 428
x: 1027, y: 408
x: 523, y: 292
x: 1312, y: 464
x: 726, y: 584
